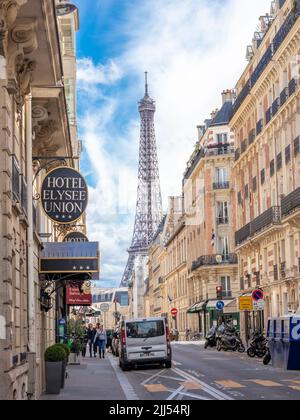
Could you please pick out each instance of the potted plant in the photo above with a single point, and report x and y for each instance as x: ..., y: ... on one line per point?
x: 54, y: 358
x: 65, y: 362
x: 76, y: 334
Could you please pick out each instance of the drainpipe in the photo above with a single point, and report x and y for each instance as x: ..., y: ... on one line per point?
x: 30, y: 241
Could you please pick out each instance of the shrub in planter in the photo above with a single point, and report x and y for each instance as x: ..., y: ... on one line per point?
x: 54, y: 358
x: 65, y: 362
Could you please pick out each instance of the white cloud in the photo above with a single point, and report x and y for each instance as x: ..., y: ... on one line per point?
x: 192, y: 49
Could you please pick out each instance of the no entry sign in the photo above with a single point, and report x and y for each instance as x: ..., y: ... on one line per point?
x: 257, y: 295
x: 174, y: 312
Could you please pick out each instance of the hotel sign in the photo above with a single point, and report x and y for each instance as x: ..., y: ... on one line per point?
x: 75, y: 237
x: 75, y: 298
x: 64, y: 195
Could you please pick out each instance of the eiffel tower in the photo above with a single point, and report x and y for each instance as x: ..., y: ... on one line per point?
x: 149, y: 201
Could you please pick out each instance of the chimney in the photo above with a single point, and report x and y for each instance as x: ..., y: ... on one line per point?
x: 214, y: 113
x: 228, y: 95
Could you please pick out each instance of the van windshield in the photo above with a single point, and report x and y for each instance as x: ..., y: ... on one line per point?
x: 145, y: 329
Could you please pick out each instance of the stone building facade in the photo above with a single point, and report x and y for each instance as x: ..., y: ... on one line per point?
x: 34, y: 129
x: 266, y: 124
x: 210, y: 221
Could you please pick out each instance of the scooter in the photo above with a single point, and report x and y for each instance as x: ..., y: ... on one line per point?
x: 231, y: 341
x: 211, y: 338
x: 267, y: 358
x: 258, y: 345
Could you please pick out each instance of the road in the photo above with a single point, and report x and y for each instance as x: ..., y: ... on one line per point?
x: 199, y: 374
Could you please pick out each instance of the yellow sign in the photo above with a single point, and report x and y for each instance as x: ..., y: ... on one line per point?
x: 246, y: 303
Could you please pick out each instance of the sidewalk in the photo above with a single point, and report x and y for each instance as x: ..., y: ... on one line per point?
x: 94, y: 379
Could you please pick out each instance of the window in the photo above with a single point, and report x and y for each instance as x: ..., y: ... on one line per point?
x: 222, y: 138
x: 221, y: 175
x: 146, y: 329
x: 223, y: 246
x: 222, y: 213
x: 68, y: 37
x: 70, y: 97
x: 226, y: 286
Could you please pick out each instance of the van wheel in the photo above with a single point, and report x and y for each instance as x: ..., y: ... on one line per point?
x: 124, y: 366
x: 169, y: 365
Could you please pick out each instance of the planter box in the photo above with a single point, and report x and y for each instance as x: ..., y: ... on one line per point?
x: 53, y: 377
x: 63, y: 376
x: 74, y: 359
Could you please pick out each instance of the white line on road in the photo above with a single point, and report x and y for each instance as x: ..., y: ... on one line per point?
x: 153, y: 376
x: 123, y: 380
x: 205, y: 387
x: 175, y: 393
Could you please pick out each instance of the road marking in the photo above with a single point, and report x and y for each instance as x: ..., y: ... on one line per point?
x: 217, y: 394
x: 153, y: 376
x: 176, y: 363
x: 123, y: 381
x: 292, y: 381
x: 191, y: 395
x: 230, y: 384
x: 175, y: 393
x: 156, y: 388
x: 191, y: 385
x: 269, y: 384
x: 295, y: 388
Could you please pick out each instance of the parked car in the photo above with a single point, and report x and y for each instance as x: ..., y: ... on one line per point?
x: 115, y: 342
x: 145, y: 341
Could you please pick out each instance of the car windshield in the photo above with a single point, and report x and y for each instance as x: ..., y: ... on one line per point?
x: 145, y: 329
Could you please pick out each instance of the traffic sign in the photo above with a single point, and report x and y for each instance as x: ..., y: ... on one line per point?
x: 257, y: 295
x: 260, y: 305
x: 220, y: 305
x: 174, y: 312
x: 104, y: 307
x: 246, y: 303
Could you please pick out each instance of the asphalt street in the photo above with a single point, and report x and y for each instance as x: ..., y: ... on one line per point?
x: 197, y: 374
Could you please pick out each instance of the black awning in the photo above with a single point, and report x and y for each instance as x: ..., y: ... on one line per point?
x: 70, y: 258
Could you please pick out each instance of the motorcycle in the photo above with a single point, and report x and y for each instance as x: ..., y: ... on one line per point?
x: 230, y: 341
x: 258, y: 345
x: 267, y: 358
x: 211, y: 338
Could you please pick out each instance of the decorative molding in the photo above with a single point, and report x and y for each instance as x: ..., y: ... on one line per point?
x: 8, y: 14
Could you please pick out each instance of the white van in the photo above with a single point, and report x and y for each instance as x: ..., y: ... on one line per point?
x: 145, y: 341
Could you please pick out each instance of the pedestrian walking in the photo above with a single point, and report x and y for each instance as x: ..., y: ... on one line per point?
x: 91, y: 332
x: 100, y: 340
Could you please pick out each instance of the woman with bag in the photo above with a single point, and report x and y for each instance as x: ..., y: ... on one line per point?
x: 100, y: 340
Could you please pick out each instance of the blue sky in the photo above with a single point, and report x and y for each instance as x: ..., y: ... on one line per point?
x: 192, y: 49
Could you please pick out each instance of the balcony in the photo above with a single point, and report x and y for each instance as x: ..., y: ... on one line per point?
x: 243, y: 234
x: 210, y: 260
x: 267, y: 57
x: 275, y: 107
x: 269, y: 218
x: 268, y: 115
x: 284, y: 96
x: 290, y: 203
x: 221, y: 185
x: 292, y: 86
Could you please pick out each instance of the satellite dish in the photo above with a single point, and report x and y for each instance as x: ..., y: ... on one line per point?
x: 64, y: 9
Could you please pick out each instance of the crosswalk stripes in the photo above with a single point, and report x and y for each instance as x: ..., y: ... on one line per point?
x: 268, y: 384
x: 230, y: 384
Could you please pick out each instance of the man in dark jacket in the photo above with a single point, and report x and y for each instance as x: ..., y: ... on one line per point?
x: 91, y: 332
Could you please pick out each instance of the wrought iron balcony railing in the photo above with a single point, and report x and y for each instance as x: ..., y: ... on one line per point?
x: 221, y: 185
x: 222, y: 220
x: 268, y: 115
x: 252, y: 136
x: 267, y: 219
x: 24, y: 194
x: 275, y: 107
x: 209, y: 260
x: 284, y: 96
x: 244, y: 146
x: 237, y: 154
x: 267, y: 57
x: 292, y: 86
x: 259, y: 127
x: 290, y: 203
